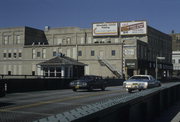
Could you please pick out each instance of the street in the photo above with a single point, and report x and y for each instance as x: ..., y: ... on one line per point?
x: 29, y: 106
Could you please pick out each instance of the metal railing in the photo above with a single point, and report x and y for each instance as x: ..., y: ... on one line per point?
x: 110, y: 67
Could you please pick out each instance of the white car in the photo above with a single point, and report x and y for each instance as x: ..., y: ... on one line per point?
x: 140, y: 82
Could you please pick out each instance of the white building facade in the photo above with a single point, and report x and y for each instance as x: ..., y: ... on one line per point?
x: 111, y: 49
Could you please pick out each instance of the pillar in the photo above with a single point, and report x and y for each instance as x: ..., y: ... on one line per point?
x: 62, y: 71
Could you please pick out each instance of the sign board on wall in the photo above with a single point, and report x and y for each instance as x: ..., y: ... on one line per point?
x: 133, y: 28
x: 105, y: 29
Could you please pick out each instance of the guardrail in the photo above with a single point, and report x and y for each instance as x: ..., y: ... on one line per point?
x: 136, y: 107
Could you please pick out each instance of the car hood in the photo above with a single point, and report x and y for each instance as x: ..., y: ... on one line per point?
x: 80, y: 81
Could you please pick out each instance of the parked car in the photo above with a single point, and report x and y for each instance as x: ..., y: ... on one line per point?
x: 140, y: 82
x: 89, y: 82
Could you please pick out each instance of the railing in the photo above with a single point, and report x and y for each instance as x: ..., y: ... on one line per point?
x: 110, y: 67
x: 31, y: 77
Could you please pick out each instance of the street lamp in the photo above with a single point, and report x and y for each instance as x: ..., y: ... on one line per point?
x: 158, y: 58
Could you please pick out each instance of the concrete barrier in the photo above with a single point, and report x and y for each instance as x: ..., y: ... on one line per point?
x: 136, y: 107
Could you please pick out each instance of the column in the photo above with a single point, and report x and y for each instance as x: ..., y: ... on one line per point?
x: 48, y: 72
x: 62, y: 71
x: 55, y: 72
x: 38, y: 70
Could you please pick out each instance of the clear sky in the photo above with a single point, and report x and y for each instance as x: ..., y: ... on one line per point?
x: 160, y: 14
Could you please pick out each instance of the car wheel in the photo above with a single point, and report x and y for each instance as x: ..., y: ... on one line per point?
x: 129, y: 90
x: 103, y: 88
x: 74, y: 89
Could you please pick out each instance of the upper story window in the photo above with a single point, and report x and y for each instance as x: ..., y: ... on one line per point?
x: 54, y: 53
x: 18, y: 38
x: 113, y: 52
x: 59, y: 41
x: 38, y: 54
x: 14, y: 55
x: 9, y: 55
x: 6, y: 40
x: 92, y: 52
x: 4, y: 55
x: 68, y: 40
x: 20, y: 55
x: 79, y: 53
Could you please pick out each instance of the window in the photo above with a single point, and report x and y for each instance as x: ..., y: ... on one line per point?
x: 38, y: 54
x: 68, y: 40
x: 113, y: 52
x: 33, y: 73
x: 9, y: 55
x: 14, y: 55
x: 92, y: 53
x: 58, y: 71
x: 80, y: 53
x: 4, y: 55
x: 18, y: 39
x: 6, y: 40
x: 59, y: 41
x: 54, y: 53
x: 9, y: 72
x: 20, y: 55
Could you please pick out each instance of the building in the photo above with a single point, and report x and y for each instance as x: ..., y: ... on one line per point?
x: 112, y: 49
x: 61, y: 66
x: 176, y: 54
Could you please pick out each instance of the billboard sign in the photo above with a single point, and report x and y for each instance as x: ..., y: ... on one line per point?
x: 105, y: 29
x: 133, y: 28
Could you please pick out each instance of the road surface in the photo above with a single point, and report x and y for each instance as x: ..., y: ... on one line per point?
x: 26, y: 107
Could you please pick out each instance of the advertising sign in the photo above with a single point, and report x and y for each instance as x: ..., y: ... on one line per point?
x: 105, y: 29
x: 133, y: 28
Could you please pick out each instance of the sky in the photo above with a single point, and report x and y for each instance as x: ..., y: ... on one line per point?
x: 161, y: 14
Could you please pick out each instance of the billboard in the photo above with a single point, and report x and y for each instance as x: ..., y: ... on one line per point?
x: 105, y: 29
x: 133, y: 28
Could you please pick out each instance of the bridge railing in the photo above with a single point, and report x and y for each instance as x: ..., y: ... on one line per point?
x: 136, y: 107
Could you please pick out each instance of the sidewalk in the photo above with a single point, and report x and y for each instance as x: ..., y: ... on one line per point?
x: 172, y: 114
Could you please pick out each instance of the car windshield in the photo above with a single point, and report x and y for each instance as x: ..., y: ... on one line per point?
x: 86, y: 78
x: 140, y: 78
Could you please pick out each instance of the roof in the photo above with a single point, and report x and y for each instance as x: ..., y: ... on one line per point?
x: 61, y: 60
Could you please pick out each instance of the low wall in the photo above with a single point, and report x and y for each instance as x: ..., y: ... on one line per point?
x: 136, y: 107
x: 25, y: 85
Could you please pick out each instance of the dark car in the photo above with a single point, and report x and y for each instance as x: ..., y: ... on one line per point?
x: 89, y: 82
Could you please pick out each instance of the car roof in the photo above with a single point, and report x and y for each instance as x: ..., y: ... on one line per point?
x: 143, y: 75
